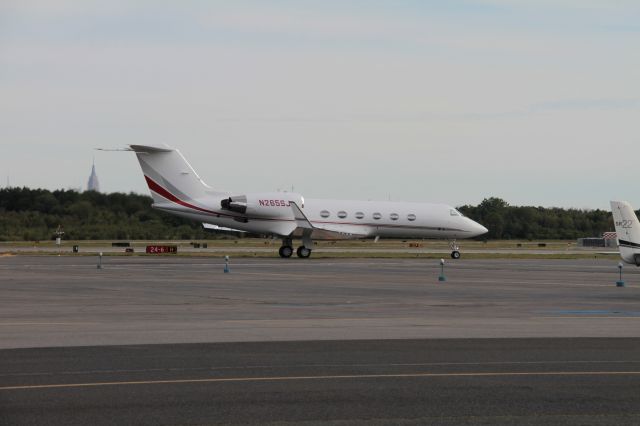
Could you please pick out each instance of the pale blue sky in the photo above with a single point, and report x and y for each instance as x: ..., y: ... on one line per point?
x: 536, y: 102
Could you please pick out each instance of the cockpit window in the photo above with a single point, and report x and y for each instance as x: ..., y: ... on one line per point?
x: 454, y: 212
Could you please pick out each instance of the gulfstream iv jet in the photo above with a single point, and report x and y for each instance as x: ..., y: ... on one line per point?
x: 627, y: 231
x: 176, y: 188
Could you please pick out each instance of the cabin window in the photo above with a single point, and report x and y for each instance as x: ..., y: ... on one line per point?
x: 342, y: 214
x: 394, y: 216
x: 411, y: 217
x: 359, y: 215
x: 324, y: 213
x: 377, y: 216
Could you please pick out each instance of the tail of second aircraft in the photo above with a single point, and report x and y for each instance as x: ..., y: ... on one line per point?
x: 627, y: 230
x: 169, y: 175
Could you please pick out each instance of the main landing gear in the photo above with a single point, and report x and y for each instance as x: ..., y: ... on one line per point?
x: 303, y: 252
x: 286, y: 250
x: 455, y: 250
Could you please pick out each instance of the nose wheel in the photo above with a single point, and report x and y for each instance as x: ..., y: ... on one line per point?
x: 455, y: 250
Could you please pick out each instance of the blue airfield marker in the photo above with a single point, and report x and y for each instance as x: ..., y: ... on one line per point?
x: 620, y: 283
x: 442, y: 278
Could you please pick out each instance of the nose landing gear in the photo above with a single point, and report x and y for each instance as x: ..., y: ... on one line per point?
x: 455, y: 250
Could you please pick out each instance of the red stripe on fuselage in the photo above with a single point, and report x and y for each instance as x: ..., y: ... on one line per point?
x: 169, y: 196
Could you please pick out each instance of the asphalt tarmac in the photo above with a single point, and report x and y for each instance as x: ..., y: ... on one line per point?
x: 66, y: 301
x: 405, y: 382
x: 175, y: 340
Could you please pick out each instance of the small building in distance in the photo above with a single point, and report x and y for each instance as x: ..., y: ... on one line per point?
x: 93, y: 184
x: 608, y: 239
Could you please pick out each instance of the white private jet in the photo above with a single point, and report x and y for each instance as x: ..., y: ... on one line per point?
x: 627, y: 231
x: 176, y: 188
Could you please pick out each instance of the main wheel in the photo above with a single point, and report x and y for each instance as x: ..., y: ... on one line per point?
x: 455, y: 254
x: 285, y: 251
x: 303, y: 252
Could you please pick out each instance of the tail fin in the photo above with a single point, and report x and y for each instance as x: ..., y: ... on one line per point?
x: 627, y: 230
x: 168, y: 174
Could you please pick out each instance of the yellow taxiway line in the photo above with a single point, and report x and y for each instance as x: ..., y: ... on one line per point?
x: 329, y: 377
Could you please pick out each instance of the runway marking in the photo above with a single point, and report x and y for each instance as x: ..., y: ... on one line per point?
x: 591, y: 317
x: 45, y: 323
x: 294, y: 366
x: 331, y: 377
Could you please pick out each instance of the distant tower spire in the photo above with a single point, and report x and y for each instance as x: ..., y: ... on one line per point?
x: 93, y: 184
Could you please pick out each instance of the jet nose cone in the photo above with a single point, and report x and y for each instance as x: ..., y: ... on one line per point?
x: 477, y: 229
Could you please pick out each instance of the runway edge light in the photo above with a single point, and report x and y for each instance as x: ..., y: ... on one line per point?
x: 620, y: 282
x: 442, y: 278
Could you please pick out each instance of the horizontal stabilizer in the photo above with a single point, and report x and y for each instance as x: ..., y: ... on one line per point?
x: 138, y: 149
x: 114, y: 149
x: 150, y: 149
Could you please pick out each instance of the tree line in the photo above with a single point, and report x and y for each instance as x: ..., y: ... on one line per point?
x: 537, y: 223
x: 35, y: 214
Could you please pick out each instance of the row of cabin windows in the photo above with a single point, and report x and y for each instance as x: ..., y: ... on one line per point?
x: 360, y: 215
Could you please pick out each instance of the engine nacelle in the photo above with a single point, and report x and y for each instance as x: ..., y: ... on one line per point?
x: 263, y: 204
